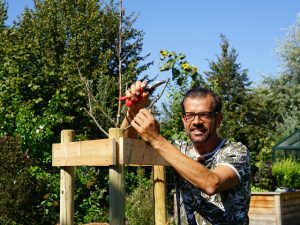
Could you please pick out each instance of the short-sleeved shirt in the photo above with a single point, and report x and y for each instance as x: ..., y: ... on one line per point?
x: 227, y: 207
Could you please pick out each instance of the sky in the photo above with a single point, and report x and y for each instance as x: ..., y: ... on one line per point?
x: 193, y: 27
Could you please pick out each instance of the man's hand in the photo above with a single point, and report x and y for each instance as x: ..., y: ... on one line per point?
x: 134, y: 94
x: 146, y: 125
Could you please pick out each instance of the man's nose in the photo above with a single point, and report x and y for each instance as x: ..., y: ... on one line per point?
x: 197, y: 119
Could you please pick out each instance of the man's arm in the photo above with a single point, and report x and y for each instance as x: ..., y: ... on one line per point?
x: 210, y: 182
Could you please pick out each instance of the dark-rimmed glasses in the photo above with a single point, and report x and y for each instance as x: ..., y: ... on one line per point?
x: 203, y: 116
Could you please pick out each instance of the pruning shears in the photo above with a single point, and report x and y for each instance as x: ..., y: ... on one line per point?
x: 149, y: 88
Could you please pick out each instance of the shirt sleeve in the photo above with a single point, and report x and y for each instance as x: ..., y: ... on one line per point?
x: 235, y: 156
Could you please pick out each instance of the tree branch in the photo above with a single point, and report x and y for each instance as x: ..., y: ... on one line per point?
x: 120, y: 63
x: 96, y: 122
x: 91, y: 98
x: 132, y: 48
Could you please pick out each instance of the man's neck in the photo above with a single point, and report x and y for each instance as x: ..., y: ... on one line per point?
x: 207, y: 147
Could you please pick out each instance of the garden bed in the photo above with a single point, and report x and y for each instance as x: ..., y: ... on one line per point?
x: 275, y: 208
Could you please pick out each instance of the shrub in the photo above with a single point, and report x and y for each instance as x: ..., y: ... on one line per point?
x: 139, y: 204
x: 287, y: 173
x: 263, y: 178
x: 19, y: 192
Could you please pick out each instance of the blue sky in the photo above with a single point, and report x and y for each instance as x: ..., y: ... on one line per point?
x: 193, y: 27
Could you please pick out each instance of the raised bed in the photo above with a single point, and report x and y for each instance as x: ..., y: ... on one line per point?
x: 275, y: 208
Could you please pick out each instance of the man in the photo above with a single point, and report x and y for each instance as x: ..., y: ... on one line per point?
x: 214, y: 176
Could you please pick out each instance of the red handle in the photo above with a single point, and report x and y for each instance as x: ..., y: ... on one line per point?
x: 131, y: 102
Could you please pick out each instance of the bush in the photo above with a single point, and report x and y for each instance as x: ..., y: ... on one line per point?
x: 19, y: 192
x: 139, y: 204
x: 263, y: 179
x: 287, y: 173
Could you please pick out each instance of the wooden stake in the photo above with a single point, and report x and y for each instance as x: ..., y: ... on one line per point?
x: 116, y: 185
x: 159, y: 195
x: 67, y: 185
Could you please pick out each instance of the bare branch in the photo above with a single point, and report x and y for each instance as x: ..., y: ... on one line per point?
x: 120, y: 62
x: 91, y: 98
x: 96, y: 122
x: 104, y: 113
x: 132, y: 48
x: 159, y: 96
x: 87, y: 88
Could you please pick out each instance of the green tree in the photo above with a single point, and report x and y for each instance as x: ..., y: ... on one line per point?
x: 289, y: 52
x: 3, y: 14
x: 245, y: 116
x: 40, y: 88
x: 284, y: 90
x: 279, y: 105
x: 39, y: 67
x: 230, y: 81
x: 39, y: 75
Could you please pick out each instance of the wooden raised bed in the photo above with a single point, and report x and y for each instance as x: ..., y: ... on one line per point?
x: 275, y: 208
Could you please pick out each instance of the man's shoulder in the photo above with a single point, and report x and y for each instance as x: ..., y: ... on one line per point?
x: 235, y: 155
x: 232, y: 153
x: 234, y: 147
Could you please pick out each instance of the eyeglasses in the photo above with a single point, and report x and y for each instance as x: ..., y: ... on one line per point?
x: 203, y: 116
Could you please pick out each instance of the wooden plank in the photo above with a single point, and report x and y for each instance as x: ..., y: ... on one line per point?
x: 292, y: 221
x: 278, y: 209
x: 262, y: 217
x: 291, y: 218
x: 139, y: 152
x: 67, y: 180
x: 263, y: 197
x: 261, y: 210
x: 291, y: 196
x: 290, y: 203
x: 262, y: 203
x: 100, y: 152
x: 291, y: 209
x: 256, y: 222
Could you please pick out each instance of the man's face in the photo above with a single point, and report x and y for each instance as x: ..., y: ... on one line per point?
x: 202, y: 127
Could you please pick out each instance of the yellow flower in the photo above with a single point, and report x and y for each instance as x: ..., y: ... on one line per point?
x: 185, y: 66
x: 163, y: 53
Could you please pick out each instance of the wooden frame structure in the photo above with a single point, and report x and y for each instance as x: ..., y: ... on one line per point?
x: 274, y: 208
x: 115, y: 152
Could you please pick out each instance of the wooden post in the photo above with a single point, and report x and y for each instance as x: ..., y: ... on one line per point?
x: 67, y: 185
x: 278, y: 209
x: 116, y: 186
x: 159, y: 195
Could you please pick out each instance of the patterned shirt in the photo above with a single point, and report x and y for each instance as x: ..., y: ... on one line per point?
x: 227, y: 207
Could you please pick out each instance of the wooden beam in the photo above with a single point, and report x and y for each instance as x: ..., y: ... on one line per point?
x: 103, y: 152
x: 139, y: 152
x: 85, y: 153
